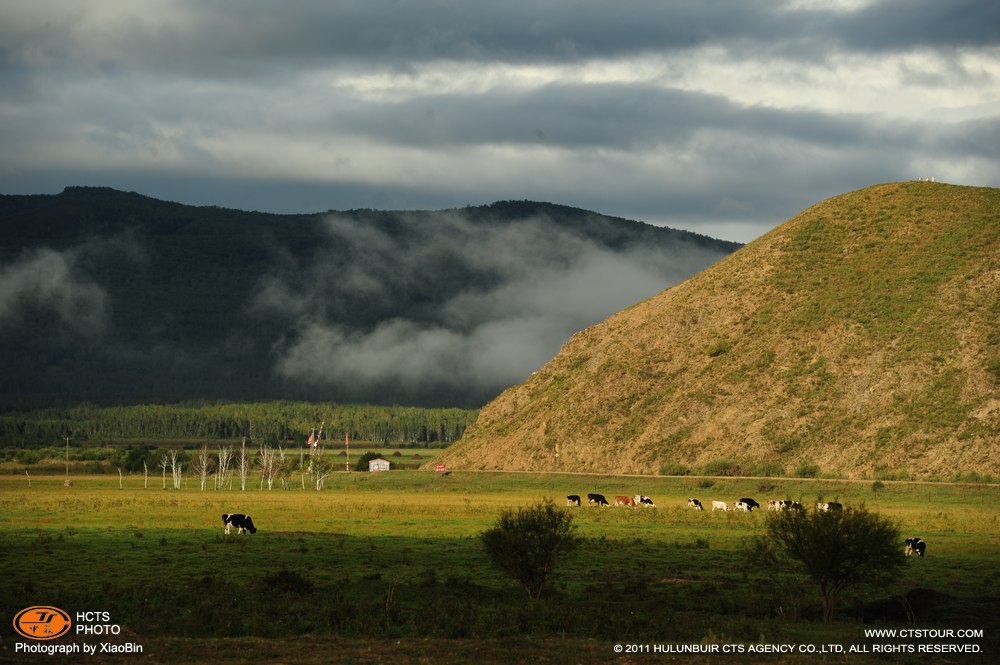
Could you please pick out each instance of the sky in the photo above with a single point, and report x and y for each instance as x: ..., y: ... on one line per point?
x: 726, y: 118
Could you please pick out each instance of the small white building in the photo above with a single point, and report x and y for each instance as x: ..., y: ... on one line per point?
x: 378, y: 464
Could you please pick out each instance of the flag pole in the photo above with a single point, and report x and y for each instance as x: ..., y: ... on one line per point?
x: 347, y: 444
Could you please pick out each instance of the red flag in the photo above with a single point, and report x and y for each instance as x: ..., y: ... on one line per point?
x: 311, y: 442
x: 347, y: 439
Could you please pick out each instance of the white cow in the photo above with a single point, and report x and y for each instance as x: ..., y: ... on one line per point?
x: 720, y: 505
x: 643, y: 500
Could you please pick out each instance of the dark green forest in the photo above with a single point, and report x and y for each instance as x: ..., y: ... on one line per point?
x: 112, y: 297
x: 271, y: 423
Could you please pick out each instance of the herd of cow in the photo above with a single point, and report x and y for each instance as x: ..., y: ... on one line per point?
x: 244, y: 523
x: 913, y: 545
x: 620, y: 500
x: 745, y: 504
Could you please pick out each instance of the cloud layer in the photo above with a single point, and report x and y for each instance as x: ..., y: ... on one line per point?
x: 47, y: 296
x: 485, y: 304
x: 724, y: 117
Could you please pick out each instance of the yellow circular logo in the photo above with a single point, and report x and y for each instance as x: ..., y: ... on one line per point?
x: 42, y: 622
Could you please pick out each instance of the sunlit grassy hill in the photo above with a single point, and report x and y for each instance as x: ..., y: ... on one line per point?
x: 861, y: 338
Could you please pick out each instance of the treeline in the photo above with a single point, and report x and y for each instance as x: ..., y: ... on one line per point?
x: 275, y: 423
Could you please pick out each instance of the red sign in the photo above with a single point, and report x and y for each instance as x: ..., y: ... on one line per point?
x: 440, y: 468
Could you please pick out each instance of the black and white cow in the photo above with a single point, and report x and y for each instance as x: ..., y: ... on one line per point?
x: 741, y: 506
x: 750, y: 502
x: 915, y: 545
x: 572, y: 499
x: 696, y: 504
x: 828, y: 506
x: 643, y: 500
x: 241, y: 522
x: 597, y: 499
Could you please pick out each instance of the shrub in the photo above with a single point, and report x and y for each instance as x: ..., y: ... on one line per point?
x: 524, y: 543
x: 807, y: 470
x: 723, y: 467
x: 993, y: 366
x: 718, y: 348
x: 768, y: 469
x: 838, y: 549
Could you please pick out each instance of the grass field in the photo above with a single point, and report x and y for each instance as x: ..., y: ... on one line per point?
x: 389, y: 568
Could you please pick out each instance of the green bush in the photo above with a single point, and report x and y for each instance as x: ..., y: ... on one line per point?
x: 362, y: 464
x: 524, y: 543
x: 838, y: 549
x: 723, y: 467
x: 768, y: 469
x: 807, y: 469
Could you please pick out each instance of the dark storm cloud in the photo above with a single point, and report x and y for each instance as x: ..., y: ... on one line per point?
x: 212, y: 39
x: 907, y: 24
x: 620, y: 116
x: 674, y: 112
x: 206, y: 37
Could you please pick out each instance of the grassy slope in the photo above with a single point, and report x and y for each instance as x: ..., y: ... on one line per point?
x: 860, y: 336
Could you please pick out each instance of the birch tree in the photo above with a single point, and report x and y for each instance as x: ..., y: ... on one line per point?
x: 284, y: 468
x: 244, y: 464
x: 268, y: 460
x: 319, y: 467
x: 164, y: 463
x: 176, y: 469
x: 222, y: 474
x: 202, y: 466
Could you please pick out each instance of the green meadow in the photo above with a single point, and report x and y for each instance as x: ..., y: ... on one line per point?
x: 382, y: 563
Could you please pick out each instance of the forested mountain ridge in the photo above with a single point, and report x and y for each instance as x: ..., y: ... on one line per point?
x: 859, y: 338
x: 110, y: 296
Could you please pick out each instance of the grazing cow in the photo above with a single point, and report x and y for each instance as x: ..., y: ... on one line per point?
x: 643, y: 500
x: 572, y: 500
x: 597, y: 500
x: 720, y: 505
x: 774, y: 504
x: 624, y: 501
x: 915, y: 545
x: 750, y: 502
x: 788, y: 504
x: 741, y: 506
x: 241, y: 522
x: 827, y: 506
x: 696, y: 504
